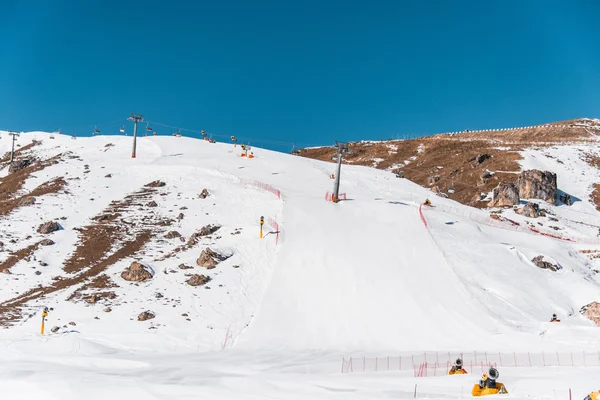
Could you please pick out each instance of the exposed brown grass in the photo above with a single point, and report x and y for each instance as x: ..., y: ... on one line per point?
x: 18, y: 255
x: 10, y: 310
x: 595, y: 196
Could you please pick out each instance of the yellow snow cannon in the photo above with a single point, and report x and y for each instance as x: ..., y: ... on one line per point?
x: 554, y: 318
x: 488, y: 384
x: 593, y: 396
x: 457, y: 368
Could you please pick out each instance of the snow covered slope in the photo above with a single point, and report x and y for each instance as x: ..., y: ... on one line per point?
x: 370, y: 275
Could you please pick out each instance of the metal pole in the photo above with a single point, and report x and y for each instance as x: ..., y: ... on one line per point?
x: 336, y: 185
x: 12, y: 152
x: 134, y: 137
x: 135, y: 118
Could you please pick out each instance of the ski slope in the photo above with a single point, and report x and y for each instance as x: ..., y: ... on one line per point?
x: 362, y: 277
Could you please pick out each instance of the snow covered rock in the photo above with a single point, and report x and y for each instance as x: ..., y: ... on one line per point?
x: 204, y: 194
x: 47, y: 242
x: 18, y: 165
x: 198, y: 280
x: 504, y: 195
x: 546, y: 263
x: 48, y: 227
x: 136, y: 272
x: 151, y: 204
x: 54, y: 329
x: 209, y: 259
x: 183, y: 266
x: 536, y: 184
x: 146, y: 315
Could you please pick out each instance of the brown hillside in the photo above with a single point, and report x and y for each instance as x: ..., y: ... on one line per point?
x: 460, y: 160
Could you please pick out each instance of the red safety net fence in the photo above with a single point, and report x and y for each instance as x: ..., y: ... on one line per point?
x: 261, y: 185
x: 432, y: 364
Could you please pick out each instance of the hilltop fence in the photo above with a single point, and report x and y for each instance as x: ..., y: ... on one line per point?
x: 433, y: 364
x: 261, y: 185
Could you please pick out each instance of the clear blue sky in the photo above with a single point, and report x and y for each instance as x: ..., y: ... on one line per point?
x: 305, y: 72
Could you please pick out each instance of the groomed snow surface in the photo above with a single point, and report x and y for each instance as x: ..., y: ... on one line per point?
x: 362, y: 278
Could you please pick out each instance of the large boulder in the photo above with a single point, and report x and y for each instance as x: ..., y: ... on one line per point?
x: 137, y: 272
x: 155, y: 184
x: 18, y: 165
x: 506, y: 194
x: 204, y: 194
x: 27, y: 201
x: 48, y: 227
x: 198, y: 280
x: 209, y: 259
x: 530, y: 210
x: 536, y: 184
x: 146, y: 315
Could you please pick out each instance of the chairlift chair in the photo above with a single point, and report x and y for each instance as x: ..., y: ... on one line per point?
x: 96, y: 130
x: 451, y: 188
x: 122, y: 130
x: 148, y: 127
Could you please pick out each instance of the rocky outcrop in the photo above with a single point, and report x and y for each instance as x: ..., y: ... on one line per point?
x: 146, y: 315
x: 536, y: 184
x: 204, y: 194
x: 198, y: 280
x: 96, y: 297
x: 48, y: 227
x: 137, y: 272
x: 545, y: 263
x: 204, y: 231
x: 530, y: 210
x: 180, y: 217
x: 433, y: 179
x: 480, y: 159
x: 592, y: 311
x: 172, y: 235
x: 18, y: 165
x: 27, y: 201
x: 506, y: 194
x: 155, y: 184
x: 47, y: 242
x: 184, y: 266
x: 151, y: 204
x: 55, y: 329
x: 209, y: 259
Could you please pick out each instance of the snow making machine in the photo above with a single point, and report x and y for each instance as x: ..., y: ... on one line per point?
x: 593, y: 396
x: 457, y: 368
x: 489, y: 385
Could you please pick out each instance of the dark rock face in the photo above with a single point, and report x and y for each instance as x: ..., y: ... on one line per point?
x: 48, y: 227
x: 505, y: 194
x: 536, y: 184
x: 204, y: 194
x: 151, y: 204
x: 47, y: 242
x: 172, y: 235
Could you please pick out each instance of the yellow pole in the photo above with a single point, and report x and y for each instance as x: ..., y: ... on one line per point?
x: 262, y: 221
x: 44, y: 315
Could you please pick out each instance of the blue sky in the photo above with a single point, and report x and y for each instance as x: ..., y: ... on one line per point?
x: 306, y: 72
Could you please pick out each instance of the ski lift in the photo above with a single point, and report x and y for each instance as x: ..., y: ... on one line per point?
x: 204, y: 134
x: 96, y: 130
x: 74, y: 136
x: 178, y: 133
x: 148, y: 127
x: 122, y: 130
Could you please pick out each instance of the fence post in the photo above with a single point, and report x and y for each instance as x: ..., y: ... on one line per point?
x: 529, y: 355
x: 399, y: 363
x: 376, y: 364
x: 388, y: 368
x: 364, y: 362
x: 415, y: 396
x: 543, y: 359
x: 569, y: 393
x: 486, y: 359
